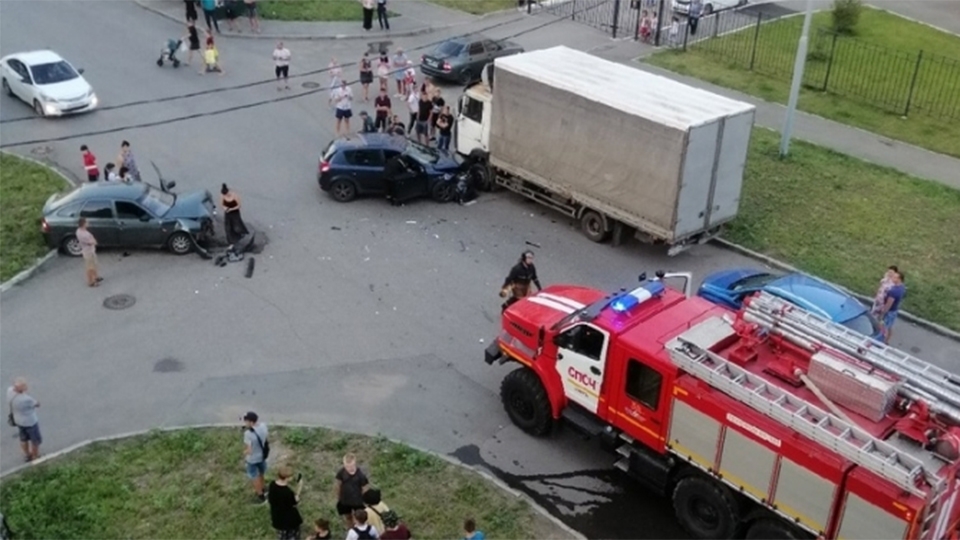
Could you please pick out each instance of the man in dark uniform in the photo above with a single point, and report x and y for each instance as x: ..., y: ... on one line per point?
x: 517, y: 284
x: 396, y: 174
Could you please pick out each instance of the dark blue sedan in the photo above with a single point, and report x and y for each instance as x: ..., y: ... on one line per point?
x: 356, y: 165
x: 729, y: 288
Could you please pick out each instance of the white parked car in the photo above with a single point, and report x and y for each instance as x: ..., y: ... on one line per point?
x: 709, y: 6
x: 47, y: 82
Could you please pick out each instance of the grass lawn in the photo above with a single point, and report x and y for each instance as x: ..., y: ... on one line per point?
x: 190, y: 484
x: 313, y: 10
x: 24, y: 187
x: 477, y: 7
x: 846, y: 220
x: 878, y: 65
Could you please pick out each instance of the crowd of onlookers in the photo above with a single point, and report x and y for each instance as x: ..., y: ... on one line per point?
x: 360, y: 506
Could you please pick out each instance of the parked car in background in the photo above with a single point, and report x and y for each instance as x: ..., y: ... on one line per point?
x: 133, y: 214
x: 709, y: 6
x: 730, y: 287
x: 462, y: 59
x: 46, y: 82
x: 354, y: 165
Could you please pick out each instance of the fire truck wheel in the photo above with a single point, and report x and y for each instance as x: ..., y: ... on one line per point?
x: 526, y: 401
x: 705, y: 509
x: 768, y: 529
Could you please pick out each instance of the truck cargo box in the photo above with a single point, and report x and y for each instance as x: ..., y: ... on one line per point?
x: 656, y: 154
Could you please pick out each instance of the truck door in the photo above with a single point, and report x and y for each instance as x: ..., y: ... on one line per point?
x: 640, y: 402
x: 470, y: 128
x: 581, y: 354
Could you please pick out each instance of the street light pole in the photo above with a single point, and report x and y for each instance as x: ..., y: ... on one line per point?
x: 798, y: 66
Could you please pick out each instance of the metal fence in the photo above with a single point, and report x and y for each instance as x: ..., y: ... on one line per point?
x: 619, y: 18
x: 901, y: 82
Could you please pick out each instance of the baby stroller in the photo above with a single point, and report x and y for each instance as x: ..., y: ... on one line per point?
x: 169, y: 53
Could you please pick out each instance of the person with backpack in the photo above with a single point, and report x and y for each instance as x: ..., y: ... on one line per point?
x: 361, y: 529
x: 375, y: 507
x: 255, y: 453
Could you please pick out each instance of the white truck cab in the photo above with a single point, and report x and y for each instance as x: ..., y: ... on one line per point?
x: 473, y: 120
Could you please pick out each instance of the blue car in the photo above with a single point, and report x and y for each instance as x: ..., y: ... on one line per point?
x: 357, y: 165
x: 729, y: 288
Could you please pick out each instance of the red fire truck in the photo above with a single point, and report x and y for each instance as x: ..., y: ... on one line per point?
x: 766, y: 423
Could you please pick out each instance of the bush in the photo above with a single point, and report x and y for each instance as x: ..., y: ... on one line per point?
x: 846, y: 15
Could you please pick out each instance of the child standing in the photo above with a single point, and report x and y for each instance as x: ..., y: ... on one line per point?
x: 211, y: 59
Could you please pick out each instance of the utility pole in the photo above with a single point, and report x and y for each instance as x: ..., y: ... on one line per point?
x: 798, y: 66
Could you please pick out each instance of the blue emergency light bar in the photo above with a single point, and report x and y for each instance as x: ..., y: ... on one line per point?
x: 627, y: 301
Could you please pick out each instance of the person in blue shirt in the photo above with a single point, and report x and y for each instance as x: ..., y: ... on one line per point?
x: 209, y: 8
x: 470, y: 531
x: 891, y: 304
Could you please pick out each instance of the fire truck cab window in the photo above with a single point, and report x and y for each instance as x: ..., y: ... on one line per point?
x: 643, y: 384
x: 583, y: 339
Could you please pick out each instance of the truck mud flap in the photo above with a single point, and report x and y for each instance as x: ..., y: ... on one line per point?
x: 493, y: 354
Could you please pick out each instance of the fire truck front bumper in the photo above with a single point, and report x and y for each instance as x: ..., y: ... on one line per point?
x: 493, y: 353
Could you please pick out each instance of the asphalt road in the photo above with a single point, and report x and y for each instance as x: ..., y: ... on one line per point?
x: 359, y: 316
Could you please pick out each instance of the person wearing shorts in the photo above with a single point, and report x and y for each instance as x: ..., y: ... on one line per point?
x: 350, y: 485
x: 281, y: 62
x: 424, y: 108
x: 252, y: 15
x: 366, y: 75
x: 343, y: 98
x: 24, y: 409
x: 255, y: 436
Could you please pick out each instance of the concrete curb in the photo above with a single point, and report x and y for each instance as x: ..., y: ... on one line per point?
x: 483, y: 473
x: 770, y: 261
x: 145, y: 4
x: 32, y: 269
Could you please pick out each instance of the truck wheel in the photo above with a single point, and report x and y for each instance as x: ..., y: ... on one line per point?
x: 768, y: 529
x: 591, y: 223
x: 525, y: 401
x: 704, y: 508
x: 483, y: 176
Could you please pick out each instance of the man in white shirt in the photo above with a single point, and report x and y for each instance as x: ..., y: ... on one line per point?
x: 343, y: 98
x: 281, y: 62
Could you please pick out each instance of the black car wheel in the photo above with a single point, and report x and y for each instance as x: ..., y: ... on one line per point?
x: 442, y: 191
x: 343, y: 190
x: 71, y: 246
x: 705, y: 508
x: 180, y: 243
x: 465, y: 77
x: 526, y: 402
x: 6, y: 88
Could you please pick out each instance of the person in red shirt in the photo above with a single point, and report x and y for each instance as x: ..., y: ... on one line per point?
x: 393, y: 529
x: 90, y: 164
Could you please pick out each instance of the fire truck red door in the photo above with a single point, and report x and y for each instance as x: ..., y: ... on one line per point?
x: 640, y: 402
x: 581, y: 353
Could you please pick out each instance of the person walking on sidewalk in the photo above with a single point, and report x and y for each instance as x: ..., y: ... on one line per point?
x: 191, y: 10
x: 255, y: 453
x: 88, y: 248
x: 368, y: 6
x: 209, y: 8
x: 90, y: 164
x: 382, y: 17
x: 24, y: 409
x: 281, y: 65
x: 517, y: 284
x: 693, y: 15
x: 252, y: 14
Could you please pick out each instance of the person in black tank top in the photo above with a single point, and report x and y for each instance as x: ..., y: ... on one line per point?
x: 232, y: 222
x: 366, y: 75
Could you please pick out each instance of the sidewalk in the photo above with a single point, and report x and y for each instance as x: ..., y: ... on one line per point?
x: 415, y: 17
x: 842, y: 138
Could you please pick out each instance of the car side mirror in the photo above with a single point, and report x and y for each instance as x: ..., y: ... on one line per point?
x: 80, y: 71
x: 145, y: 218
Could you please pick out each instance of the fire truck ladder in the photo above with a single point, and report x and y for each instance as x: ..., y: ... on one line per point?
x: 937, y: 387
x: 803, y: 417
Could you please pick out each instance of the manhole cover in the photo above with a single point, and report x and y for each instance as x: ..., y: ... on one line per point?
x: 119, y: 301
x: 310, y: 84
x: 41, y: 150
x: 168, y: 365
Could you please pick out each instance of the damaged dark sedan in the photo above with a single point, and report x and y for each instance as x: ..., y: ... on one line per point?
x: 133, y: 214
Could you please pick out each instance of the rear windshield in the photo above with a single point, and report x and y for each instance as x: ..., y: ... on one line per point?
x: 329, y: 151
x: 447, y: 49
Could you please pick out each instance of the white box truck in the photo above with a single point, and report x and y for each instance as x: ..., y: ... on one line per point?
x: 617, y: 148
